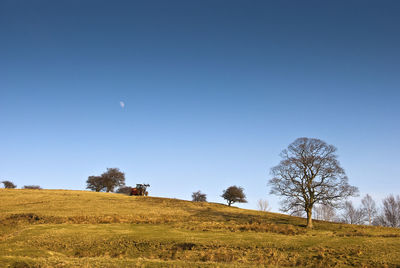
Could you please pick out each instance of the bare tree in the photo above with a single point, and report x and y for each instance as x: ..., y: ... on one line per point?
x: 263, y: 205
x: 351, y: 214
x: 199, y: 197
x: 324, y: 212
x: 9, y: 185
x: 234, y: 194
x: 369, y: 207
x: 309, y: 173
x: 379, y: 220
x: 390, y: 215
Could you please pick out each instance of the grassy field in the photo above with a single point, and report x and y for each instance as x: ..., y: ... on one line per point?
x: 57, y: 228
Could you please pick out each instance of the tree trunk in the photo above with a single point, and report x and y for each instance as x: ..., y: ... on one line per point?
x: 309, y: 218
x: 229, y: 202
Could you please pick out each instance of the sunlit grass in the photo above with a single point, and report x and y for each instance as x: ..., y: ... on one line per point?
x: 58, y: 228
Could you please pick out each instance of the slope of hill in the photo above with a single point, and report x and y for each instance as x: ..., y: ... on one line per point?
x: 59, y: 228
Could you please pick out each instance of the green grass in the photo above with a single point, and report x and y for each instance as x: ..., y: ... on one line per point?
x: 57, y: 228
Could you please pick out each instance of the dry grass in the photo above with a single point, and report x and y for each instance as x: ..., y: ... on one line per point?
x: 57, y: 228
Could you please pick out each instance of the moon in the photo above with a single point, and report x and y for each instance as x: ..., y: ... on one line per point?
x: 122, y: 104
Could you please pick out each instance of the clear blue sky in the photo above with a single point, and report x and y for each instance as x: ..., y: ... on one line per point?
x: 213, y: 91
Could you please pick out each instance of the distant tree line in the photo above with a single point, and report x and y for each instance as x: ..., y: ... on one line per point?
x: 368, y: 213
x: 388, y: 214
x: 10, y: 185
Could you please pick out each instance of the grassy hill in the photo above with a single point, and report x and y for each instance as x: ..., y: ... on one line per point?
x: 58, y: 228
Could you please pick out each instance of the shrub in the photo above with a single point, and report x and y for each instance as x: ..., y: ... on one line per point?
x: 36, y: 187
x: 9, y: 185
x: 125, y: 190
x: 234, y: 194
x: 199, y: 197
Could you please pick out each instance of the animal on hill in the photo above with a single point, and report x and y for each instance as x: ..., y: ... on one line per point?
x: 140, y: 190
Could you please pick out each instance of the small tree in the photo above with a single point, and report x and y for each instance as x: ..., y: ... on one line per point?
x: 112, y: 178
x: 369, y: 207
x: 234, y: 194
x: 263, y: 205
x: 199, y: 197
x: 9, y: 185
x: 33, y: 187
x: 95, y: 183
x: 351, y: 214
x: 309, y: 173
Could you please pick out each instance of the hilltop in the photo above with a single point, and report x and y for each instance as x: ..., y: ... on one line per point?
x: 60, y: 228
